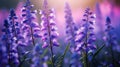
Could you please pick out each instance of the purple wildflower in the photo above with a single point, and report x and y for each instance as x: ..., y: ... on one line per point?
x: 30, y: 28
x: 110, y: 37
x: 85, y: 37
x: 48, y: 27
x: 110, y: 40
x: 14, y: 40
x: 70, y: 25
x: 5, y: 41
x: 10, y: 38
x: 71, y: 33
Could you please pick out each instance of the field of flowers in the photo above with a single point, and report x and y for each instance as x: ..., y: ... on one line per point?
x: 30, y: 40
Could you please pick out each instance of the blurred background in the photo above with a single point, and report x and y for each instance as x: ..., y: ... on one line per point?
x: 102, y: 9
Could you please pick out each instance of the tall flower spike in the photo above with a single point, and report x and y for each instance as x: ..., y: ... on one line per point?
x: 70, y: 25
x: 10, y: 38
x: 14, y: 39
x: 110, y: 37
x: 111, y: 41
x: 30, y: 28
x: 71, y: 33
x: 85, y: 35
x: 48, y: 27
x: 5, y: 41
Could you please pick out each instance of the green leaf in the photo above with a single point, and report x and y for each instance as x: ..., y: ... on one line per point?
x: 24, y: 58
x: 49, y: 62
x: 60, y: 59
x: 67, y: 48
x: 45, y: 52
x: 98, y: 51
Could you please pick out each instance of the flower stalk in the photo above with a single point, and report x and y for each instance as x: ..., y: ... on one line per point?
x: 110, y: 38
x: 30, y: 28
x: 85, y: 37
x: 48, y: 29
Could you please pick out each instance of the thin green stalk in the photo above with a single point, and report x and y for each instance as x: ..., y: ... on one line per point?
x: 52, y: 56
x: 51, y: 45
x: 112, y: 53
x: 33, y: 41
x: 85, y: 51
x: 85, y: 59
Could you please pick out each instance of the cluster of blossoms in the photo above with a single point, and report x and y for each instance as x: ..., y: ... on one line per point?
x: 85, y: 37
x: 110, y: 41
x: 48, y: 27
x: 18, y: 33
x: 71, y: 33
x: 110, y: 37
x: 30, y: 29
x: 10, y: 38
x: 70, y: 25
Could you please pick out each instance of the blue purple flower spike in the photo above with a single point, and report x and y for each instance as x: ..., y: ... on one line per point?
x: 109, y: 37
x: 13, y: 55
x: 111, y: 41
x: 70, y: 35
x: 85, y: 37
x: 70, y: 25
x: 48, y: 27
x: 10, y: 38
x: 30, y: 28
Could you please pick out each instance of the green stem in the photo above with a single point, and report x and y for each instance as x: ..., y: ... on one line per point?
x: 86, y: 43
x: 52, y: 57
x: 85, y: 59
x: 51, y: 44
x: 112, y: 54
x: 33, y: 41
x: 111, y: 49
